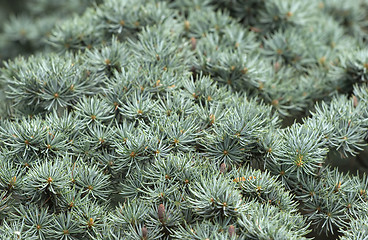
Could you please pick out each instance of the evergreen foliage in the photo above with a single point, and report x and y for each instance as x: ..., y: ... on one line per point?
x: 154, y: 119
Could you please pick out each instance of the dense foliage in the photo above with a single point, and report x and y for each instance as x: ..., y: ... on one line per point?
x: 183, y: 119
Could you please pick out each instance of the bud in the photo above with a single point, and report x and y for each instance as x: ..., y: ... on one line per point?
x: 231, y: 230
x: 161, y: 213
x: 277, y: 66
x: 355, y: 101
x: 193, y: 42
x: 144, y: 232
x: 186, y: 25
x: 223, y: 168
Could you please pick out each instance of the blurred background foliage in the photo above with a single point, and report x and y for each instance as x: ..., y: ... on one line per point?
x: 26, y: 24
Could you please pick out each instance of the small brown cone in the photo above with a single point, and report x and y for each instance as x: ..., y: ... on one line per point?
x: 355, y: 101
x: 223, y: 168
x: 277, y: 66
x: 193, y: 42
x: 144, y: 233
x: 186, y: 25
x: 161, y: 213
x: 231, y: 230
